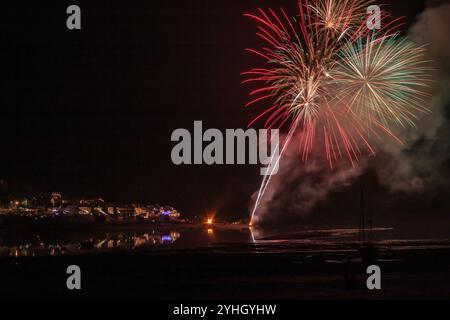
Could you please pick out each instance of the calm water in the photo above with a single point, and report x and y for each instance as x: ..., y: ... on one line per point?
x: 218, y: 238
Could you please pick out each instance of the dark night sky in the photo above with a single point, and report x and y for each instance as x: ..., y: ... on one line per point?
x: 91, y: 112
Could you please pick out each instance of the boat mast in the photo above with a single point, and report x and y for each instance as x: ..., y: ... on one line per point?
x: 362, y: 220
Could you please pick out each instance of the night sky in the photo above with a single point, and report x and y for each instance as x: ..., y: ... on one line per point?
x: 91, y: 112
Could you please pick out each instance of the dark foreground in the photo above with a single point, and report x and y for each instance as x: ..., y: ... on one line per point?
x: 229, y: 272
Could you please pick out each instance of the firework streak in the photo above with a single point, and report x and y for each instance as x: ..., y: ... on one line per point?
x: 334, y: 82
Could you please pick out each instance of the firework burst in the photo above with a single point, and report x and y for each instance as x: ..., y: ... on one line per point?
x: 334, y: 81
x: 383, y: 80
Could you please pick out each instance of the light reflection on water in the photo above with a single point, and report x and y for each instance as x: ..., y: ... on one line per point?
x: 225, y: 238
x: 117, y: 241
x: 69, y: 242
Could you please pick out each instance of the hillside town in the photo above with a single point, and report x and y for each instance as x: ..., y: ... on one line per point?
x: 55, y: 205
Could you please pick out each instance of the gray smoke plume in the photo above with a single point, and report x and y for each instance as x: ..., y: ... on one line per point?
x: 297, y: 188
x: 420, y: 166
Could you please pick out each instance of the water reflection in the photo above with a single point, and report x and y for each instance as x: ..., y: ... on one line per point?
x: 218, y: 238
x: 67, y: 242
x: 117, y: 241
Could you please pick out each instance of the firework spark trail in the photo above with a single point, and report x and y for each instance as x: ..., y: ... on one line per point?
x: 334, y: 79
x: 272, y: 165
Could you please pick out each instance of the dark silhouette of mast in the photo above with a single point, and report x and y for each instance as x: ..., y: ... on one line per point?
x: 371, y: 224
x: 365, y: 221
x: 362, y: 220
x: 367, y: 249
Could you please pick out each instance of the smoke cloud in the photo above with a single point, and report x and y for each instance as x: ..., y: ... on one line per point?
x: 421, y: 165
x: 298, y: 188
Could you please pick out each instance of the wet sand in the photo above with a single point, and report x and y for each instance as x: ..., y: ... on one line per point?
x: 231, y: 272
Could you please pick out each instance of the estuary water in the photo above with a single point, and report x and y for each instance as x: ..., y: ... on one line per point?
x: 217, y: 239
